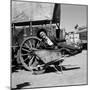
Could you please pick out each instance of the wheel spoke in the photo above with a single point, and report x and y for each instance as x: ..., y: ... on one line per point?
x: 25, y: 49
x: 33, y: 43
x: 27, y: 45
x: 31, y: 60
x: 24, y: 54
x: 37, y: 58
x: 30, y: 44
x: 26, y: 59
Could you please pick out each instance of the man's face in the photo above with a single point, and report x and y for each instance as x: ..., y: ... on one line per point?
x: 43, y: 34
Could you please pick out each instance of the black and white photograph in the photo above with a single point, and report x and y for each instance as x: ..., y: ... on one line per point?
x: 49, y: 44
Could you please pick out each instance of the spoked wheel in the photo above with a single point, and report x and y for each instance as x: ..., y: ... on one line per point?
x: 27, y: 56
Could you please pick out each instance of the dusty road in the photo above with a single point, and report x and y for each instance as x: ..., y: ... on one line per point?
x: 25, y: 79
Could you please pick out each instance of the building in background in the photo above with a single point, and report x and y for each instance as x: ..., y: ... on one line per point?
x: 83, y: 35
x: 72, y: 38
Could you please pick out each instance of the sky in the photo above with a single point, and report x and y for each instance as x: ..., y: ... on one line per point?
x: 72, y: 15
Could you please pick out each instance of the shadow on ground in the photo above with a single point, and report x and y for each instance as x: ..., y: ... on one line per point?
x: 16, y: 68
x: 22, y: 85
x: 48, y: 70
x: 51, y: 69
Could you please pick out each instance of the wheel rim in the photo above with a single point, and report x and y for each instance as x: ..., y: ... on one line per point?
x: 27, y: 55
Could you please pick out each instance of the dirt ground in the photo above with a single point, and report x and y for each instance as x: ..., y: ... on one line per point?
x: 74, y: 76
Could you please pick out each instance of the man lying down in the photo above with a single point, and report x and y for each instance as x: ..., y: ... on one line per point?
x: 47, y: 43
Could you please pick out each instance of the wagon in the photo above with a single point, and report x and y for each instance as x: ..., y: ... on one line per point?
x: 29, y: 48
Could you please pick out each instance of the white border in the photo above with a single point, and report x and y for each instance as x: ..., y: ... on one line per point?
x: 5, y: 44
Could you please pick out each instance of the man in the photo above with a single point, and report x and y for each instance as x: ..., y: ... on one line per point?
x: 45, y: 39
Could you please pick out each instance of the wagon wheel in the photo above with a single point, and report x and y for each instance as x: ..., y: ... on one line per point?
x: 27, y: 56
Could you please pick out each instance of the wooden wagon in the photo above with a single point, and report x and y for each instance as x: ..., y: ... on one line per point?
x: 25, y: 42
